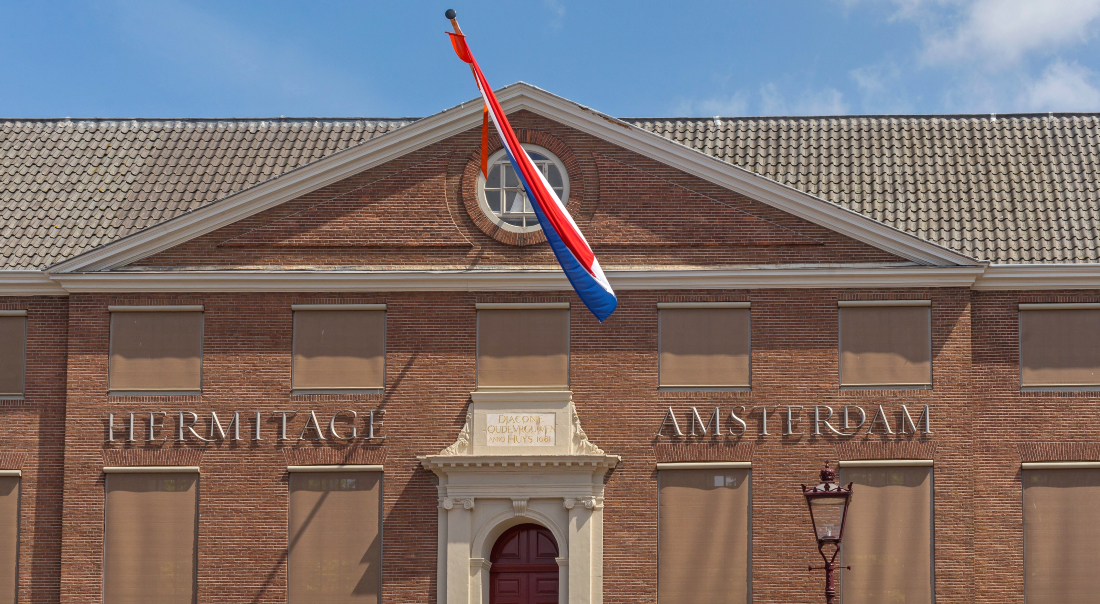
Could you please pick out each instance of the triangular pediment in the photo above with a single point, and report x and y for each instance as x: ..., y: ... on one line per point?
x: 383, y: 207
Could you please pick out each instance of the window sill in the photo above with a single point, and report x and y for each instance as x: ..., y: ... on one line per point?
x: 704, y: 389
x: 11, y: 397
x: 1073, y: 389
x: 887, y: 387
x: 304, y: 391
x: 133, y: 393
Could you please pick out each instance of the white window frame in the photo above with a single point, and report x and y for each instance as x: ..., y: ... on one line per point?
x: 483, y: 203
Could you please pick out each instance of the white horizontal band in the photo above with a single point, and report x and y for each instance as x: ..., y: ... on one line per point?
x: 862, y: 303
x: 703, y: 304
x: 337, y: 307
x: 1059, y: 465
x: 885, y: 463
x: 158, y: 308
x: 11, y: 472
x: 151, y: 470
x: 13, y: 313
x: 522, y: 305
x: 704, y: 465
x: 347, y: 468
x: 1066, y: 306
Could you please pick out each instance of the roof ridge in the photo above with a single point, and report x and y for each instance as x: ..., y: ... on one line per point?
x: 205, y: 119
x: 1063, y: 114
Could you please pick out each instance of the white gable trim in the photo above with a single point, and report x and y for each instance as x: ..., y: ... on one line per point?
x: 377, y: 151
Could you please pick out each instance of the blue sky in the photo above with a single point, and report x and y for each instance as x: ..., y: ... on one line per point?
x: 176, y: 58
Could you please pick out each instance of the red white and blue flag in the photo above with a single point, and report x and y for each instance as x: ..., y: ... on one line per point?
x: 573, y: 252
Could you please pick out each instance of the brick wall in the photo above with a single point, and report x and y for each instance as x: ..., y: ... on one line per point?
x: 32, y: 439
x: 413, y: 213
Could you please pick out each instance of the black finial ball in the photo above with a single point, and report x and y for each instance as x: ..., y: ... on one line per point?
x: 450, y: 14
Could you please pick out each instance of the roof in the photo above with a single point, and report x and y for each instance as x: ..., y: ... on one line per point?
x: 1006, y: 188
x: 67, y: 186
x: 1015, y: 189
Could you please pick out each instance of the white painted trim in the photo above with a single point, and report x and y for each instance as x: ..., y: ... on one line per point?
x: 445, y: 124
x: 704, y: 465
x: 885, y: 463
x: 867, y: 303
x: 514, y: 280
x: 1066, y: 306
x: 151, y: 470
x: 1039, y: 276
x: 29, y: 283
x: 522, y: 306
x: 337, y: 307
x: 341, y: 468
x: 661, y: 305
x: 13, y: 313
x: 1059, y: 465
x: 11, y: 472
x: 158, y: 308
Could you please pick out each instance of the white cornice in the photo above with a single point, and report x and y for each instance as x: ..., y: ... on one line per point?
x: 1039, y: 276
x: 29, y: 283
x: 993, y: 277
x: 442, y: 125
x: 512, y: 280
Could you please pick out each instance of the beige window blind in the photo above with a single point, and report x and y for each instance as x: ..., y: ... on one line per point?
x: 886, y: 345
x: 888, y: 536
x: 335, y: 537
x: 703, y: 536
x: 704, y: 347
x: 9, y: 538
x: 1059, y: 346
x: 523, y: 348
x: 1061, y: 535
x: 156, y: 351
x: 339, y: 349
x: 13, y: 350
x: 149, y: 541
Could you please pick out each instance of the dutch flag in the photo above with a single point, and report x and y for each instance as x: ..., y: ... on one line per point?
x: 573, y: 252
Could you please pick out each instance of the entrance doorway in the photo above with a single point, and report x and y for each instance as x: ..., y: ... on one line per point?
x: 524, y: 569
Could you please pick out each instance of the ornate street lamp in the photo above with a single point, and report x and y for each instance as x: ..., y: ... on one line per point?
x: 828, y: 504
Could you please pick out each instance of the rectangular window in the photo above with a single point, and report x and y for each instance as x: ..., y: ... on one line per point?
x: 886, y: 343
x: 156, y: 349
x: 1060, y: 346
x: 703, y: 533
x: 9, y: 535
x: 1061, y: 533
x: 888, y: 536
x: 149, y: 536
x: 339, y: 347
x: 335, y: 539
x: 523, y: 346
x: 13, y: 352
x: 704, y: 345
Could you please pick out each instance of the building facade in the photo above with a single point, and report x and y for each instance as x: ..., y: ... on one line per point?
x: 332, y: 361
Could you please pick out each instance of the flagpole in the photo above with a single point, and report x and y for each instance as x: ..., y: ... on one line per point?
x: 452, y: 17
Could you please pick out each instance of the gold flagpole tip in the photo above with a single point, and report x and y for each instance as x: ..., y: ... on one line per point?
x: 450, y: 14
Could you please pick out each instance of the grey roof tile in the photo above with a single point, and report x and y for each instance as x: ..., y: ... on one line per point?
x: 1021, y: 189
x: 98, y: 180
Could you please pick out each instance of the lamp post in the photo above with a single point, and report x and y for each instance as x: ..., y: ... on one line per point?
x: 828, y: 503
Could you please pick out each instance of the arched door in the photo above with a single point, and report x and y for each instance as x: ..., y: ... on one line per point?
x: 524, y: 569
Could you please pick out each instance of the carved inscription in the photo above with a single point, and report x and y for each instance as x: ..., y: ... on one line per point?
x: 520, y: 429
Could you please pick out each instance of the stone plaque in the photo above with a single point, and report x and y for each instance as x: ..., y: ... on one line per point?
x: 520, y: 429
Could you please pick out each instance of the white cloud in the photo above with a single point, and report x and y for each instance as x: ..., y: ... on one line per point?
x: 1002, y: 31
x: 1063, y: 87
x: 827, y: 101
x: 734, y: 105
x: 881, y: 88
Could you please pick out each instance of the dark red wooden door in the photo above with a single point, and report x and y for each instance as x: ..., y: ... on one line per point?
x: 524, y: 569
